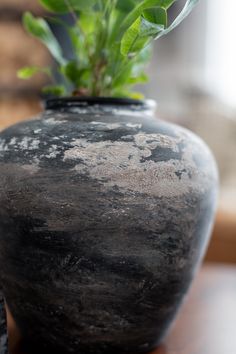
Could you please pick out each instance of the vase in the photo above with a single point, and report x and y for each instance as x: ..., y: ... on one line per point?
x: 105, y: 215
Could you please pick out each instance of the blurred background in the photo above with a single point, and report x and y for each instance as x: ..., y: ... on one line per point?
x: 193, y: 76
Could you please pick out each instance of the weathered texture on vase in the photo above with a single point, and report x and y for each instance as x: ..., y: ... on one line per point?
x: 104, y: 218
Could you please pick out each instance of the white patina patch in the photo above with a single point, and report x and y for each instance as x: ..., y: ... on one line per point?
x: 26, y: 143
x: 132, y: 111
x: 13, y: 141
x: 53, y: 152
x: 53, y: 121
x: 122, y: 164
x: 152, y: 141
x: 3, y: 145
x: 106, y: 126
x: 132, y: 125
x: 103, y: 126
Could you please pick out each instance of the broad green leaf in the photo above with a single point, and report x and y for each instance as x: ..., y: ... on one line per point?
x: 64, y: 6
x: 118, y: 18
x: 144, y: 5
x: 156, y: 15
x: 126, y: 93
x: 71, y: 71
x: 123, y: 76
x: 136, y: 95
x: 54, y: 90
x: 149, y: 29
x: 131, y: 42
x: 141, y: 79
x: 78, y: 46
x: 75, y: 74
x: 87, y: 22
x: 138, y: 36
x: 29, y: 71
x: 125, y: 5
x: 110, y: 41
x: 39, y: 28
x: 190, y: 4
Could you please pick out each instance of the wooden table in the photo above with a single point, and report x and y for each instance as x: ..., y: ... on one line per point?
x: 207, y: 322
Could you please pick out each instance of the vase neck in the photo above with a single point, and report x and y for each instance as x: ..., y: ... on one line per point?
x: 98, y: 105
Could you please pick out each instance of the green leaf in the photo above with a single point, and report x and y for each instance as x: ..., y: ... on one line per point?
x: 78, y: 46
x: 144, y: 5
x: 71, y: 71
x: 64, y: 6
x: 138, y: 36
x: 125, y: 73
x: 149, y: 29
x: 189, y: 5
x: 142, y: 78
x: 29, y: 71
x: 127, y: 93
x: 125, y: 5
x: 136, y: 95
x: 54, y: 90
x: 87, y: 22
x: 131, y: 42
x: 40, y: 29
x: 110, y: 41
x: 156, y: 15
x: 75, y: 74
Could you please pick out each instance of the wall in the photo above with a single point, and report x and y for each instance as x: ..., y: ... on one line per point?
x: 18, y: 99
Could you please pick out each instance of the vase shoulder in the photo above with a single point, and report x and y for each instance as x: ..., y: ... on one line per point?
x: 109, y: 142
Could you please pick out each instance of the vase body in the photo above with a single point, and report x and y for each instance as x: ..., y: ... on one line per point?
x: 105, y: 214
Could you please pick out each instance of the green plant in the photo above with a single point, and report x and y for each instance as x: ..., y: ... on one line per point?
x: 111, y: 41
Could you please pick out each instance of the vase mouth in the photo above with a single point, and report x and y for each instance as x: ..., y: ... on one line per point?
x: 115, y: 102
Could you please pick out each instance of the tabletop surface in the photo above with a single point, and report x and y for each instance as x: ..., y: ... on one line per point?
x: 206, y: 323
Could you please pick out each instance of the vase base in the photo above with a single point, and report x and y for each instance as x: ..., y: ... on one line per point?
x: 27, y: 347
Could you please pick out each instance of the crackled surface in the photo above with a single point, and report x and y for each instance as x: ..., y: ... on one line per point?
x: 107, y: 217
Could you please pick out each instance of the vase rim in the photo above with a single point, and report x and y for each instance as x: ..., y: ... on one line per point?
x: 74, y: 102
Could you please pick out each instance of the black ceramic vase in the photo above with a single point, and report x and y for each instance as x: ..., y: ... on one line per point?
x: 105, y: 214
